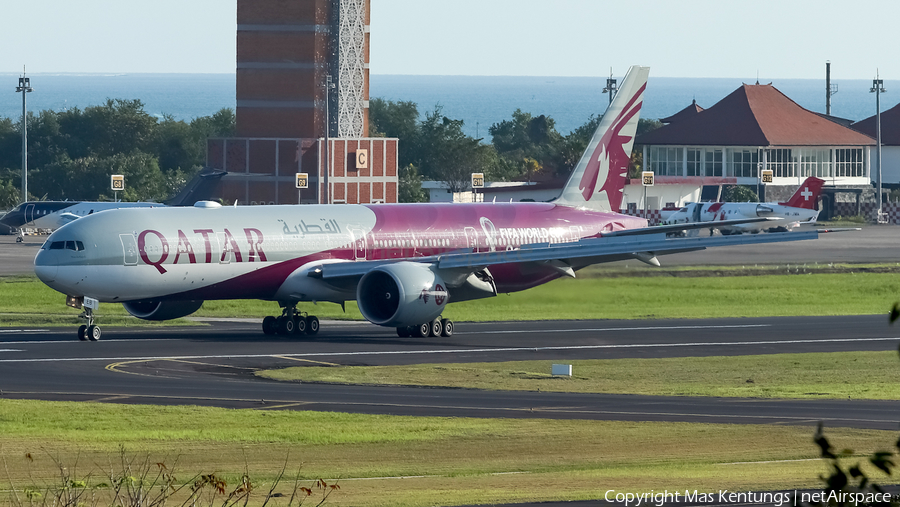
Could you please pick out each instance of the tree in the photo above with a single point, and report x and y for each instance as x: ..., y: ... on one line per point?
x: 410, y: 186
x: 739, y: 193
x: 400, y: 120
x: 530, y: 144
x: 451, y: 156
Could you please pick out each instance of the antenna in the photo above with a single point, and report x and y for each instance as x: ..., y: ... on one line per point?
x: 830, y: 89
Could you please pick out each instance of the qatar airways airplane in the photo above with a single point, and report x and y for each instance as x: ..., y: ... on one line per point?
x: 402, y: 263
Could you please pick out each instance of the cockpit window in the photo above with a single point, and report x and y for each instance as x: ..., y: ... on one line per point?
x: 76, y: 246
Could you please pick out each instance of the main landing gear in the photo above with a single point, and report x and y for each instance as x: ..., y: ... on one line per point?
x: 436, y: 327
x: 291, y: 322
x: 88, y: 331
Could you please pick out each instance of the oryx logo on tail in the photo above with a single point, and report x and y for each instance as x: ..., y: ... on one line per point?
x: 598, y: 180
x: 612, y: 156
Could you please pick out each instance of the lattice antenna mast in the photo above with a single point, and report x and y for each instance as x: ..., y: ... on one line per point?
x: 351, y: 68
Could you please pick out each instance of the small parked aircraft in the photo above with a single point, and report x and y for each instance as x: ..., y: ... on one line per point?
x: 799, y: 209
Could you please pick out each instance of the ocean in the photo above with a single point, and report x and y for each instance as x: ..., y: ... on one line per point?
x: 480, y: 101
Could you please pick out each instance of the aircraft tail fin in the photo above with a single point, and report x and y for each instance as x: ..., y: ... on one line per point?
x: 598, y: 180
x: 807, y: 195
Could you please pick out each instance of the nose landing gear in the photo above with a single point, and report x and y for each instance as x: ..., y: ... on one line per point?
x: 89, y: 330
x: 291, y: 322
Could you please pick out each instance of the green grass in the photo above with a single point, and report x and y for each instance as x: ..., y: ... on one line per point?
x: 463, y: 460
x: 857, y: 375
x: 27, y: 301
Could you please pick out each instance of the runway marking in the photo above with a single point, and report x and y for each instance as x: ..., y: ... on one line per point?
x: 284, y: 405
x: 24, y: 330
x: 10, y: 350
x: 342, y: 323
x: 113, y: 398
x: 645, y: 328
x: 453, y: 351
x: 306, y: 360
x: 114, y: 367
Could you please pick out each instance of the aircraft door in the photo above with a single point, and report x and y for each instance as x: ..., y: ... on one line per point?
x: 29, y: 213
x: 696, y: 212
x: 129, y: 249
x: 359, y: 242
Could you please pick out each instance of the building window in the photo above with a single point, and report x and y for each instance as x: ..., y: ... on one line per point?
x: 694, y: 162
x: 713, y: 165
x: 744, y: 164
x: 780, y: 162
x: 666, y: 161
x: 815, y: 162
x: 848, y: 163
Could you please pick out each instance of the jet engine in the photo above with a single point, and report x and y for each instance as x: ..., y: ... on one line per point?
x: 401, y: 294
x: 161, y: 310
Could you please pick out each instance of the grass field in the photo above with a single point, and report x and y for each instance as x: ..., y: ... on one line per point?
x: 841, y: 375
x: 445, y: 461
x: 27, y: 301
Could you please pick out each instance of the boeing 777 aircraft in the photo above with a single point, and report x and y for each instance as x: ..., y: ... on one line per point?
x: 402, y: 263
x: 54, y: 214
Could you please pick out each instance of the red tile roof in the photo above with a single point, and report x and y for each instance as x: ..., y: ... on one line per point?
x: 755, y: 115
x: 687, y: 112
x: 890, y: 126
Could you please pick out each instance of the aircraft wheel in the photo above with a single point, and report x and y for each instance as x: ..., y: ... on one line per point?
x: 269, y: 325
x: 82, y: 332
x: 285, y: 325
x: 93, y: 333
x: 312, y: 325
x: 403, y: 331
x: 436, y: 327
x: 422, y: 330
x: 300, y: 325
x: 447, y: 327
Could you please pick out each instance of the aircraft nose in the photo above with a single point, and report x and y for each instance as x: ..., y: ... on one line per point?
x: 45, y: 266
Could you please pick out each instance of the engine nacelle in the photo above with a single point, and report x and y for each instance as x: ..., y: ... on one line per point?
x: 401, y: 294
x: 161, y: 310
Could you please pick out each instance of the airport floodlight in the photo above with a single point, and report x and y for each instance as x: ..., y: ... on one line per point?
x: 878, y: 89
x: 611, y: 87
x: 23, y: 88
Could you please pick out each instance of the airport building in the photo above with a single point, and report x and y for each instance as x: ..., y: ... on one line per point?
x: 302, y: 89
x: 755, y: 127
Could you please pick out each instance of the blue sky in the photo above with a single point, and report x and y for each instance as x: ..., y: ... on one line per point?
x: 684, y: 38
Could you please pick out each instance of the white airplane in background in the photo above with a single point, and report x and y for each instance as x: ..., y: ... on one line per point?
x: 52, y: 215
x: 402, y: 263
x: 799, y: 209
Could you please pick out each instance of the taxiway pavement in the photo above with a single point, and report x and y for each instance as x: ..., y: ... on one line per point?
x: 214, y: 366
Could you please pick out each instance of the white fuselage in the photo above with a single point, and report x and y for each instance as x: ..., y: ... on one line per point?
x: 783, y: 217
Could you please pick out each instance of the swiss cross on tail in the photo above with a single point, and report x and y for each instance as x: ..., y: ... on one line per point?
x: 612, y: 156
x: 807, y: 195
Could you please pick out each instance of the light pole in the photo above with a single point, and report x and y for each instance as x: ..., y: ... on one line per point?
x: 24, y: 87
x: 878, y: 89
x: 328, y: 86
x: 611, y: 88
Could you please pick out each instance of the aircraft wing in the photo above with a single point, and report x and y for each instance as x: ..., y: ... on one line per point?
x: 583, y: 252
